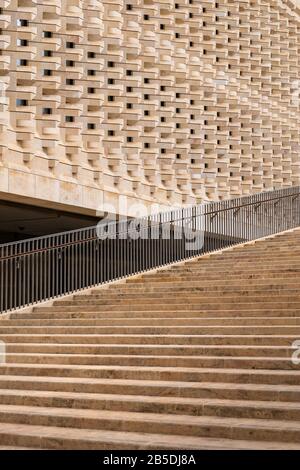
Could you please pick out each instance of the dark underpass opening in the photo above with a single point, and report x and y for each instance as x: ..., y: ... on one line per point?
x: 20, y: 221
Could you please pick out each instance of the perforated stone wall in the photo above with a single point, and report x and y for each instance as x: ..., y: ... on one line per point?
x: 170, y: 101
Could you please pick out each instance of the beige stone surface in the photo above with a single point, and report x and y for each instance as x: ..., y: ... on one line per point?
x: 172, y: 102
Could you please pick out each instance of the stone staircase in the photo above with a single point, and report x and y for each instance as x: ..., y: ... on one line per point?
x: 194, y: 356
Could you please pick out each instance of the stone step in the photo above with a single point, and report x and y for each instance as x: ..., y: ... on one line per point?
x: 151, y: 350
x: 206, y: 276
x: 202, y: 288
x: 203, y: 279
x: 168, y: 321
x: 187, y: 329
x: 230, y: 272
x: 217, y: 278
x: 207, y: 291
x: 241, y: 408
x: 56, y: 438
x: 61, y: 313
x: 246, y: 256
x: 244, y: 340
x: 10, y: 448
x: 217, y: 266
x: 184, y: 374
x: 186, y: 425
x: 201, y: 305
x: 215, y: 272
x: 222, y: 390
x: 207, y: 264
x: 235, y: 258
x: 171, y: 298
x: 192, y: 280
x: 253, y: 249
x: 242, y: 280
x: 214, y: 265
x: 205, y: 288
x: 274, y: 362
x: 282, y: 264
x: 193, y: 301
x: 249, y: 252
x: 186, y: 285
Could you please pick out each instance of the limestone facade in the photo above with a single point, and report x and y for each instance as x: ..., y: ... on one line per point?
x: 169, y: 101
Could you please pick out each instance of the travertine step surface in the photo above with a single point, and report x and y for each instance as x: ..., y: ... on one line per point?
x: 56, y: 438
x: 10, y: 448
x: 194, y: 356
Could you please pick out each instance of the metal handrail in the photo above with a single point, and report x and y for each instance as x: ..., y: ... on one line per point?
x: 146, y: 218
x: 46, y: 267
x: 265, y: 193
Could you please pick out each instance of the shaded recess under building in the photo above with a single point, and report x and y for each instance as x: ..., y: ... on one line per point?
x: 20, y: 221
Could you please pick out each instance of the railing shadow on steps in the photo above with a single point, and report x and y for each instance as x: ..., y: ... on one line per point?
x: 39, y: 269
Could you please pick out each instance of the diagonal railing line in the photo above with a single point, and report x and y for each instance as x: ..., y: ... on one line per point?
x: 150, y: 218
x: 47, y: 267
